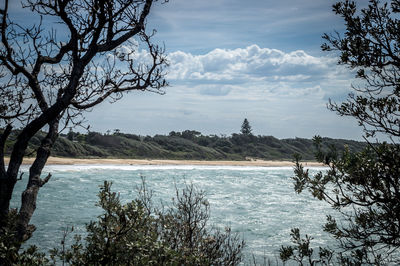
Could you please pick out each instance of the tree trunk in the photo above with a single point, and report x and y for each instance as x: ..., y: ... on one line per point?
x: 6, y: 190
x: 6, y: 183
x: 29, y: 196
x: 9, y: 178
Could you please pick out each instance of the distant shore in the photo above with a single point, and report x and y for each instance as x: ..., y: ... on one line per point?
x: 77, y: 161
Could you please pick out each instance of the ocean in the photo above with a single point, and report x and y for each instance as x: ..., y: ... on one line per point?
x: 259, y: 203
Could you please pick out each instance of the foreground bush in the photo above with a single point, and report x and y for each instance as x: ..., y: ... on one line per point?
x: 363, y: 188
x: 136, y: 233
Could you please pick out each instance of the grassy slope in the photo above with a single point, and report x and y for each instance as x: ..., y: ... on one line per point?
x: 185, y: 145
x: 236, y: 147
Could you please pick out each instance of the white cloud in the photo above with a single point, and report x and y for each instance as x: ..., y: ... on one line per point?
x: 261, y: 69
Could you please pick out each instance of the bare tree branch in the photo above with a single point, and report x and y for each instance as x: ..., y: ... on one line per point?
x: 46, y: 79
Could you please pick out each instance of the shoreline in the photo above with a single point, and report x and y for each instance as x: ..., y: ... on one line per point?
x: 78, y: 161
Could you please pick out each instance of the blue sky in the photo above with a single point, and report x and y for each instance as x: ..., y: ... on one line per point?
x: 235, y: 59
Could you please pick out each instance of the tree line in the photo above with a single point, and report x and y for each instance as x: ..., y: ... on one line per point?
x: 188, y: 144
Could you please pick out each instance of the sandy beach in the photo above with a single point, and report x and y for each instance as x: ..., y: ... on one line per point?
x: 76, y: 161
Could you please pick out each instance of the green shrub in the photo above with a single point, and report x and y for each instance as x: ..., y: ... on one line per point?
x: 136, y: 233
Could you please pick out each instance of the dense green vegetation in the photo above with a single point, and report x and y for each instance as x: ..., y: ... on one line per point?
x: 363, y: 187
x: 139, y: 233
x: 188, y: 144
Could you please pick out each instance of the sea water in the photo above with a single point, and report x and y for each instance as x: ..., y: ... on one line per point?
x: 259, y: 203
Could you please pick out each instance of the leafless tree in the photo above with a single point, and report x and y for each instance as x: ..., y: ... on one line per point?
x: 99, y: 50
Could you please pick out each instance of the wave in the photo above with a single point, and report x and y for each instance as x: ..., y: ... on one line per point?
x: 91, y: 167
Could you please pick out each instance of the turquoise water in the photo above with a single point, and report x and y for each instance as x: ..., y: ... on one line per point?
x: 257, y: 202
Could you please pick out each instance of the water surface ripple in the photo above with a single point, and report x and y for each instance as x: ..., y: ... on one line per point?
x: 257, y: 202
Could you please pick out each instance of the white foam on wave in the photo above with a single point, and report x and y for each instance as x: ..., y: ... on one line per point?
x: 93, y: 167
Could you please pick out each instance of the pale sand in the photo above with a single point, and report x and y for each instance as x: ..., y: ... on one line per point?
x: 75, y: 161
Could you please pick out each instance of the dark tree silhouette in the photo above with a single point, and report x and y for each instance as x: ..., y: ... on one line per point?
x: 246, y: 128
x: 371, y: 47
x: 364, y: 187
x: 48, y: 79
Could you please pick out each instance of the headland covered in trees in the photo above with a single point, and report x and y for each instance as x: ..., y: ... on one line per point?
x: 186, y: 145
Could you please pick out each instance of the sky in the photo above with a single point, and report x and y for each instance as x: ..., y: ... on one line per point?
x: 235, y: 59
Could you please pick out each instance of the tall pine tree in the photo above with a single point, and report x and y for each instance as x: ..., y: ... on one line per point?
x: 246, y: 128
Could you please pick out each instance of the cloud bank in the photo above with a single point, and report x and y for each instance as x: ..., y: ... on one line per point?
x: 222, y: 71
